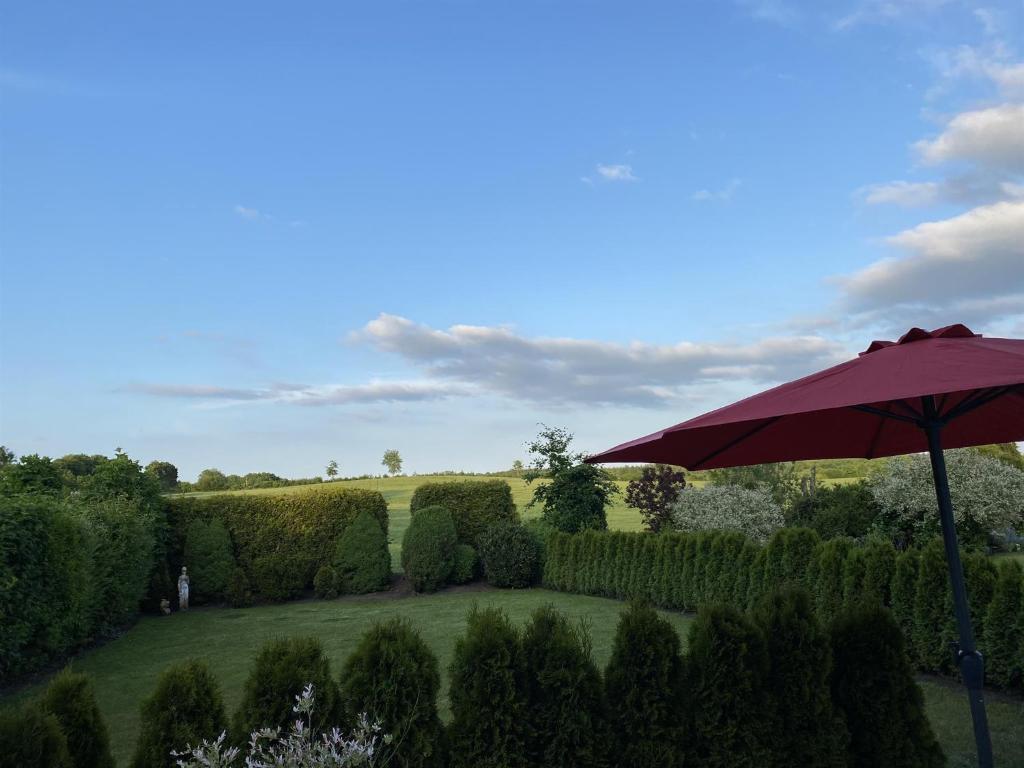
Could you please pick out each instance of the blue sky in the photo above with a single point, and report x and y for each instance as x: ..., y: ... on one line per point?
x: 261, y: 236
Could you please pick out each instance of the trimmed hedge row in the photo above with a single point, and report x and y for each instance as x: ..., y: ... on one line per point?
x: 474, y: 504
x: 681, y: 571
x: 279, y: 540
x: 70, y: 571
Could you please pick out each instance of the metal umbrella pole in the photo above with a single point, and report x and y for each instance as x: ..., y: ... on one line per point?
x: 968, y: 659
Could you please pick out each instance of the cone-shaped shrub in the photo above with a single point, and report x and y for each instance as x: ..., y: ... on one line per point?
x: 239, y: 592
x: 185, y: 709
x: 644, y: 687
x: 361, y: 557
x: 756, y: 582
x: 980, y: 575
x: 879, y: 567
x: 873, y: 684
x: 70, y: 698
x: 853, y: 576
x: 31, y: 736
x: 210, y: 559
x: 744, y: 566
x: 686, y: 592
x: 732, y: 713
x: 325, y: 583
x: 807, y: 729
x: 464, y: 570
x: 903, y: 595
x: 393, y: 677
x: 1002, y: 641
x: 282, y: 669
x: 829, y: 569
x: 487, y: 694
x: 725, y: 554
x: 798, y: 554
x: 934, y: 627
x: 428, y: 549
x: 565, y: 711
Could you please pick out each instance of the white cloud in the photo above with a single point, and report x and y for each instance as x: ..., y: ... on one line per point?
x: 886, y: 11
x: 992, y: 137
x: 775, y: 11
x: 969, y: 188
x: 978, y: 255
x: 297, y: 394
x: 498, y: 361
x: 249, y: 213
x: 908, y: 194
x: 619, y: 172
x: 722, y: 195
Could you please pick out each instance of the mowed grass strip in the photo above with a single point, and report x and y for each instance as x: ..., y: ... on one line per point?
x: 125, y: 670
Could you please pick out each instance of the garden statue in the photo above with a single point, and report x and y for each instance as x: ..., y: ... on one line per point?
x: 183, y: 589
x: 165, y: 606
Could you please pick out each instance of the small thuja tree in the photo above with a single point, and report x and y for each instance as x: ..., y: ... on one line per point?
x: 282, y: 669
x: 732, y: 713
x: 71, y: 699
x: 362, y: 561
x: 654, y: 493
x: 1003, y: 641
x: 487, y: 694
x: 644, y: 683
x: 934, y: 625
x: 575, y: 495
x: 302, y: 745
x: 565, y: 706
x: 186, y: 708
x: 29, y: 735
x: 393, y: 677
x: 807, y: 729
x: 873, y: 684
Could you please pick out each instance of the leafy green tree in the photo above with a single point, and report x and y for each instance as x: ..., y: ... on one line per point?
x: 517, y: 466
x: 165, y: 473
x: 873, y: 684
x: 393, y: 461
x: 835, y: 511
x: 565, y: 706
x: 211, y: 480
x: 32, y: 474
x: 393, y: 677
x: 654, y: 493
x: 80, y: 465
x: 807, y: 729
x: 185, y: 709
x: 487, y: 694
x: 732, y: 713
x: 7, y: 456
x: 332, y: 469
x: 575, y: 495
x: 71, y: 699
x: 644, y: 684
x: 209, y: 557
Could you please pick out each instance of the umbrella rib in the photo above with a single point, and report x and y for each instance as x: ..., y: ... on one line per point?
x: 886, y: 414
x: 734, y: 442
x: 969, y: 405
x: 874, y: 440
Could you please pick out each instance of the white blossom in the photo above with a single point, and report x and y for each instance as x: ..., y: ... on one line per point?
x: 728, y: 508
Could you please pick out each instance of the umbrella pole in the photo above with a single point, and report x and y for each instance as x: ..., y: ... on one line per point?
x: 968, y: 658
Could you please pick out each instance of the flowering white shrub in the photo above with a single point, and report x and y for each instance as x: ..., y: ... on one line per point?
x: 987, y: 494
x: 298, y: 748
x: 728, y: 508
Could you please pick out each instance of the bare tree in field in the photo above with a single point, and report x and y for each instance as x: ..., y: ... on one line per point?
x: 392, y: 461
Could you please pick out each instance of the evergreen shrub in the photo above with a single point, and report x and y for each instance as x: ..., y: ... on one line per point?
x: 325, y: 583
x: 428, y: 549
x: 239, y: 592
x: 70, y: 698
x: 934, y: 624
x: 509, y: 554
x: 473, y: 504
x: 184, y: 709
x: 1003, y: 640
x: 465, y: 568
x: 31, y: 736
x: 210, y: 559
x: 362, y: 560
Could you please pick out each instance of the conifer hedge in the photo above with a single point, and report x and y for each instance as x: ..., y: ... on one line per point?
x: 280, y: 540
x: 1003, y: 640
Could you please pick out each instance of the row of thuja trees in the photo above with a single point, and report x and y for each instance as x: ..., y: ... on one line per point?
x: 686, y: 571
x: 771, y: 687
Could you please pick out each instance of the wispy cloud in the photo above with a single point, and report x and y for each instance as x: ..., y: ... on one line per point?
x: 721, y: 195
x: 613, y: 172
x: 498, y: 361
x: 297, y: 394
x: 775, y: 11
x: 251, y: 214
x: 886, y: 11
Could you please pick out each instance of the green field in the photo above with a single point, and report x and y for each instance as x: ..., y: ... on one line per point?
x: 398, y: 492
x: 125, y: 670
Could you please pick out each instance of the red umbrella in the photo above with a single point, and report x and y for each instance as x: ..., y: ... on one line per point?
x: 946, y: 389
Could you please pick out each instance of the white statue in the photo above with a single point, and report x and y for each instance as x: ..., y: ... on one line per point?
x: 183, y: 589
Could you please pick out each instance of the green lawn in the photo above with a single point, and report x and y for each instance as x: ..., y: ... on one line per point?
x: 125, y: 670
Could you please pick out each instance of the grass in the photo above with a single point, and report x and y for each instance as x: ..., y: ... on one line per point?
x: 125, y: 670
x: 397, y: 491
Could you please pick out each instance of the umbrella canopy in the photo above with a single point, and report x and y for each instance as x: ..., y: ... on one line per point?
x: 864, y: 408
x: 947, y: 388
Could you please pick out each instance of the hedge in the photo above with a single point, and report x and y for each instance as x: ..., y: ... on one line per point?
x: 684, y: 571
x: 474, y: 504
x: 71, y: 571
x: 280, y: 540
x: 428, y: 549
